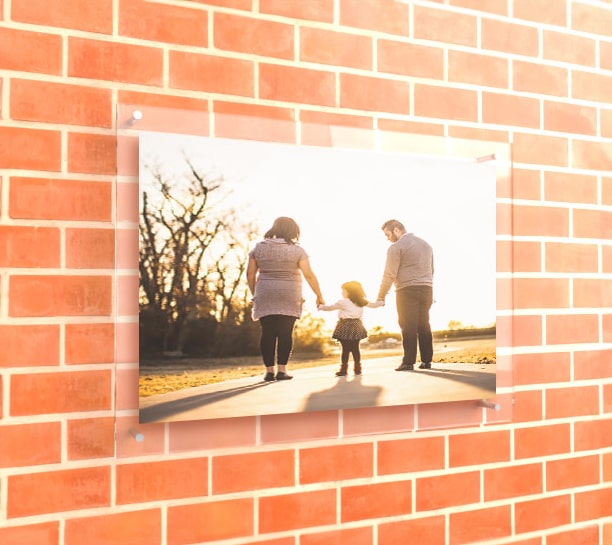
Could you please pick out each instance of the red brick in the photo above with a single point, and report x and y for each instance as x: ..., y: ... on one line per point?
x: 377, y: 420
x: 592, y: 364
x: 526, y: 184
x: 570, y: 118
x: 541, y: 441
x: 570, y: 329
x: 335, y: 48
x: 575, y: 401
x: 607, y: 398
x: 563, y: 47
x: 424, y: 531
x: 509, y: 37
x: 592, y: 293
x: 499, y: 7
x: 91, y: 438
x: 537, y: 78
x: 473, y: 526
x: 606, y: 191
x: 29, y: 247
x: 526, y: 256
x: 68, y: 104
x: 157, y: 481
x: 131, y: 528
x: 448, y: 415
x: 607, y: 467
x: 376, y: 500
x: 374, y: 94
x: 479, y: 448
x: 299, y: 426
x: 521, y: 330
x: 538, y: 150
x: 533, y: 293
x: 29, y: 345
x: 605, y: 55
x: 408, y: 59
x: 476, y: 133
x: 65, y: 490
x: 44, y: 149
x: 477, y: 69
x: 444, y: 26
x: 582, y: 536
x: 385, y: 16
x: 233, y: 518
x: 571, y: 188
x: 49, y: 393
x: 561, y: 257
x: 592, y: 86
x: 592, y: 224
x: 445, y: 103
x: 252, y: 36
x: 512, y: 481
x: 41, y: 198
x: 92, y: 16
x: 534, y: 515
x: 113, y: 61
x: 30, y: 444
x: 317, y: 126
x: 540, y: 221
x: 90, y: 248
x: 162, y: 101
x: 572, y: 472
x: 342, y: 462
x: 506, y: 109
x: 252, y: 471
x: 212, y: 434
x: 92, y: 153
x: 592, y: 19
x: 60, y: 295
x: 410, y: 455
x: 607, y: 318
x: 593, y: 434
x: 297, y: 511
x: 301, y: 85
x: 527, y: 406
x: 46, y: 533
x: 30, y: 52
x: 314, y: 10
x: 541, y: 11
x: 354, y: 536
x: 90, y: 343
x: 594, y: 504
x: 234, y: 4
x: 254, y: 122
x: 593, y: 155
x: 163, y: 23
x: 465, y: 487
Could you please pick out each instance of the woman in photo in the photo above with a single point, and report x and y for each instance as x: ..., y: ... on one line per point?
x: 350, y: 329
x: 274, y: 274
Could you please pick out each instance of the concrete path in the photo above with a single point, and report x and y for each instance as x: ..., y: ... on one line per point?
x: 317, y: 389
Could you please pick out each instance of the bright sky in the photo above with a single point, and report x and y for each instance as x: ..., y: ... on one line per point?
x: 340, y: 198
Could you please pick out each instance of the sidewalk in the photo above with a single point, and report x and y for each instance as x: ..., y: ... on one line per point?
x: 317, y: 389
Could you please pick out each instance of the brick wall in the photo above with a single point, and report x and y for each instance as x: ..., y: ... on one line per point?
x: 537, y: 73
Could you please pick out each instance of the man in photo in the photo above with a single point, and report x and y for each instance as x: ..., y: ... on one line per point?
x: 410, y: 268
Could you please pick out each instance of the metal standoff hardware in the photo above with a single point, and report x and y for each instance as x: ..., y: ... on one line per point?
x: 489, y: 404
x: 138, y: 436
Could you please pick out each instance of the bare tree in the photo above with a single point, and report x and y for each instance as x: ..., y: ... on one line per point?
x: 193, y: 253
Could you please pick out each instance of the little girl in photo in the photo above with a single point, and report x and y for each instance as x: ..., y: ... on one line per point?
x: 350, y: 329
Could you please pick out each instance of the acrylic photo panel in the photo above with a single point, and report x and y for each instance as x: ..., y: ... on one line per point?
x: 204, y: 203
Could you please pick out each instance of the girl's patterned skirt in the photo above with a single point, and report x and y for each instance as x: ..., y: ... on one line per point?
x: 349, y: 329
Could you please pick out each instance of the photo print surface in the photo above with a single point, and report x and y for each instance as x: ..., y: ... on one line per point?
x: 206, y: 205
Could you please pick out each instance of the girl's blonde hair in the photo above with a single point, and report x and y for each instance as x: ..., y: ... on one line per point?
x: 354, y: 291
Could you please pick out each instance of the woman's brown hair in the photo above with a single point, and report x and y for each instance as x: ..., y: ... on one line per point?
x: 285, y: 228
x: 354, y: 291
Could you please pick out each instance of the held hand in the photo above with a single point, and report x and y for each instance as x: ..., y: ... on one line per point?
x: 320, y: 301
x: 380, y: 303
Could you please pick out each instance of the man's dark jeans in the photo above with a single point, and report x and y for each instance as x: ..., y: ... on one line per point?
x: 413, y: 304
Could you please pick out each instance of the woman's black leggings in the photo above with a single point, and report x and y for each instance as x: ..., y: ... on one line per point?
x: 276, y: 338
x: 350, y: 347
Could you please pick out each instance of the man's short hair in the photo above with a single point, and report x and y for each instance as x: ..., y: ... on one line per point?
x: 390, y: 225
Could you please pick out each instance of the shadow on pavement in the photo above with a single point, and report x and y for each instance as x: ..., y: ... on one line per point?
x: 466, y: 377
x: 169, y: 408
x: 345, y: 394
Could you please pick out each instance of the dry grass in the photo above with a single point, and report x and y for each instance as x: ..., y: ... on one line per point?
x: 159, y: 377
